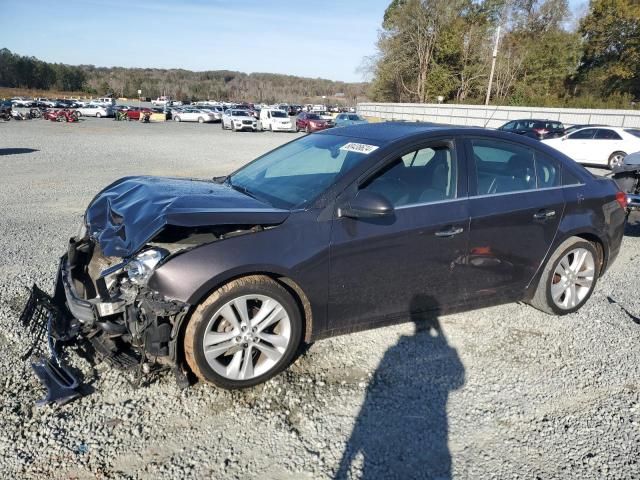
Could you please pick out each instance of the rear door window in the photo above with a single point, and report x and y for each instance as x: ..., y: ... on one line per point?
x: 502, y: 167
x: 606, y: 134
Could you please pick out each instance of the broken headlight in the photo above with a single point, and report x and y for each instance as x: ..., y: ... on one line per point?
x: 140, y: 268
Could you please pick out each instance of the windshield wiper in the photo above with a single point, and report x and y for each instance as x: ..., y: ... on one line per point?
x: 241, y: 189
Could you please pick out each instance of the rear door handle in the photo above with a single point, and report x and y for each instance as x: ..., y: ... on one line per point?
x: 450, y: 233
x: 544, y: 214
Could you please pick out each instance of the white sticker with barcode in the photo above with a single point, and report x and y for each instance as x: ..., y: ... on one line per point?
x: 359, y: 148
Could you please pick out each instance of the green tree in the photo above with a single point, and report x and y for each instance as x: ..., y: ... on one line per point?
x: 611, y: 61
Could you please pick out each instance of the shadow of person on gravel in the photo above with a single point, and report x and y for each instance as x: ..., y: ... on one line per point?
x: 402, y: 429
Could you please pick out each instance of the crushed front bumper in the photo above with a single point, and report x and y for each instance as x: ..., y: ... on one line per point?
x: 124, y: 333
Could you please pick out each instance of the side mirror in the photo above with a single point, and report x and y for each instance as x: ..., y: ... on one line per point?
x: 366, y: 205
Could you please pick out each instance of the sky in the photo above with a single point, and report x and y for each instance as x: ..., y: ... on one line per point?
x: 321, y: 38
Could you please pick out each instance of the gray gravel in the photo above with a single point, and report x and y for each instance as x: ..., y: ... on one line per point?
x: 504, y: 392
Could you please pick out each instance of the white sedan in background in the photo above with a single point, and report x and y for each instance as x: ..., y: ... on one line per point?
x: 602, y: 146
x: 193, y: 115
x: 95, y: 111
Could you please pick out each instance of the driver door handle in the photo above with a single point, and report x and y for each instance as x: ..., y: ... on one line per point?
x: 450, y: 233
x: 544, y: 214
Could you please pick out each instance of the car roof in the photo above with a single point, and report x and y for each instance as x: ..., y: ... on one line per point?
x: 392, y: 131
x: 389, y: 132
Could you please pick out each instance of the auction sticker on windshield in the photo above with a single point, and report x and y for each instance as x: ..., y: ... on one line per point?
x: 359, y: 148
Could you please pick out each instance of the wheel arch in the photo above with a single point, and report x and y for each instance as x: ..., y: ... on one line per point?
x: 588, y: 235
x: 289, y: 284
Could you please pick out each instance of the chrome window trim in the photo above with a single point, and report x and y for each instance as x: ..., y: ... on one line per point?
x: 471, y: 197
x: 527, y: 191
x: 423, y: 204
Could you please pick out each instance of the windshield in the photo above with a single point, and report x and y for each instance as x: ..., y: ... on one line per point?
x: 279, y: 114
x: 239, y: 113
x: 354, y: 117
x: 299, y: 171
x: 313, y: 116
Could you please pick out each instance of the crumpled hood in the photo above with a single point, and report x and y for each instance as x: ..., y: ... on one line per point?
x: 127, y: 214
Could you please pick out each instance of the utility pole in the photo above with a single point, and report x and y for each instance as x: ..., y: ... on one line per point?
x: 493, y: 66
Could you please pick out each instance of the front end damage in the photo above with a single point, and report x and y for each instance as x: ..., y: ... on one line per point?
x: 101, y: 303
x: 101, y: 299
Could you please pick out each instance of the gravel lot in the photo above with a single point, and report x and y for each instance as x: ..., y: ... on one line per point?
x: 504, y: 392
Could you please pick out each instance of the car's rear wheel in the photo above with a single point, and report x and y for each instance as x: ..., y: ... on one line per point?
x: 98, y: 115
x: 569, y: 278
x: 244, y: 333
x: 200, y: 120
x: 616, y: 159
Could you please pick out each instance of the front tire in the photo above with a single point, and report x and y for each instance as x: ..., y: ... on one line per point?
x: 244, y: 333
x: 569, y: 278
x: 200, y: 120
x: 177, y: 119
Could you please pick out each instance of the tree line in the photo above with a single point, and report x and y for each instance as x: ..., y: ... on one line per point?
x: 443, y: 48
x: 28, y: 72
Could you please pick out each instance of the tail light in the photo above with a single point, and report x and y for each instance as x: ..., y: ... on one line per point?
x: 541, y: 131
x: 621, y: 198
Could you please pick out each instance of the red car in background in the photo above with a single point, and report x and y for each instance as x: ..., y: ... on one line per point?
x: 310, y: 122
x: 133, y: 113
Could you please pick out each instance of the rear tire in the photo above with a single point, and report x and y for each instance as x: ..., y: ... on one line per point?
x: 200, y: 120
x: 243, y: 349
x: 616, y: 159
x: 98, y: 115
x: 568, y: 280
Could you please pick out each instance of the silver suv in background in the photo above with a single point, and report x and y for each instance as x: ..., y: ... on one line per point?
x: 236, y: 119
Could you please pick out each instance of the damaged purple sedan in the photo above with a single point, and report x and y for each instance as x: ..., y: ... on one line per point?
x: 331, y: 233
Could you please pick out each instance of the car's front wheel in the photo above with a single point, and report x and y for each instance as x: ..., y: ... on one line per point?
x: 177, y: 119
x: 244, y: 333
x: 569, y: 278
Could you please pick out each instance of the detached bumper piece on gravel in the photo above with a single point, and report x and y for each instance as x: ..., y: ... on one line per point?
x: 127, y: 326
x: 49, y: 329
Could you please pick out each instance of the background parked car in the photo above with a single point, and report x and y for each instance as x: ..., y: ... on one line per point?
x: 95, y: 111
x: 310, y: 122
x: 275, y: 120
x: 193, y: 115
x: 539, y: 129
x: 603, y: 146
x: 133, y: 113
x: 239, y: 119
x: 161, y: 101
x: 345, y: 119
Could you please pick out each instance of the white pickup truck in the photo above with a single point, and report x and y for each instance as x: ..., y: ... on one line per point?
x: 161, y: 101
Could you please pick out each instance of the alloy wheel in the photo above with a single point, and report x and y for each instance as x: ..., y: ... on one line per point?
x: 247, y: 337
x: 616, y: 160
x: 573, y: 278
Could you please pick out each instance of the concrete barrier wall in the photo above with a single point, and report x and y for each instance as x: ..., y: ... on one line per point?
x: 493, y: 117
